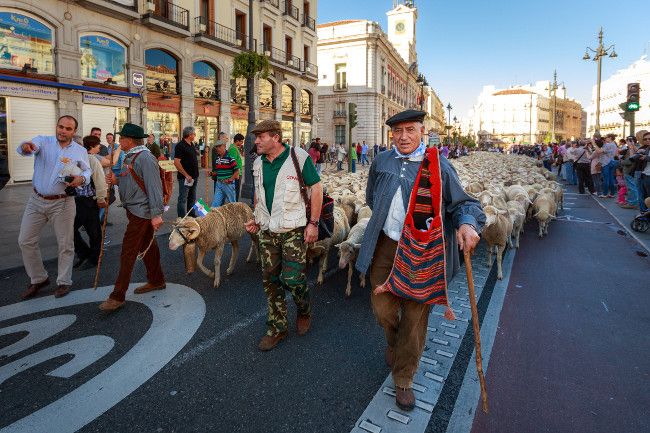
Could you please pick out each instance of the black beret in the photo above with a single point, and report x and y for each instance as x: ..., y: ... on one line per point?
x: 406, y: 116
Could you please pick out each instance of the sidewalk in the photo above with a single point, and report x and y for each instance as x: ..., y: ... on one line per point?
x: 624, y: 217
x: 12, y: 205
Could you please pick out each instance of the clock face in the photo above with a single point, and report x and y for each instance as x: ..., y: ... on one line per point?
x: 399, y: 27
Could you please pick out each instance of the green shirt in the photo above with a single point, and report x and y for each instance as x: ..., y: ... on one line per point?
x: 234, y: 153
x: 353, y: 153
x: 271, y: 169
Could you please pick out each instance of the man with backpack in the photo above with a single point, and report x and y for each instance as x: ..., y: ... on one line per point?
x: 141, y: 193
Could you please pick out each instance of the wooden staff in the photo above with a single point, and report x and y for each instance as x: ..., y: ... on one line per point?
x: 477, y: 330
x: 208, y: 154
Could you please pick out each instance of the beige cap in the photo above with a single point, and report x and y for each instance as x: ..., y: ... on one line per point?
x: 266, y: 126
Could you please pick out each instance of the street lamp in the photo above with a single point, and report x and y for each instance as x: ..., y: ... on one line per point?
x: 599, y: 53
x: 553, y: 90
x: 455, y: 130
x: 449, y: 107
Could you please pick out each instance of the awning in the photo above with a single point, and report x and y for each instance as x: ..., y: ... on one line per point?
x: 48, y: 83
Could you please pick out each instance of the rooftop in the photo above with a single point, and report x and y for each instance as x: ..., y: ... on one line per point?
x: 338, y: 23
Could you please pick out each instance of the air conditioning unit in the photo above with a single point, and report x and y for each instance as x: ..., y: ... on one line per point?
x: 203, y: 28
x: 150, y: 6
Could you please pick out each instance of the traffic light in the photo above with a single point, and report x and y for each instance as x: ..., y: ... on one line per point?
x: 633, y: 90
x: 352, y: 115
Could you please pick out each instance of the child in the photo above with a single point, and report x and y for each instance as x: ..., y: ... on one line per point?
x: 622, y: 189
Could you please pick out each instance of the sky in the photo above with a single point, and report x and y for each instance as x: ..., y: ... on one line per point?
x: 464, y: 45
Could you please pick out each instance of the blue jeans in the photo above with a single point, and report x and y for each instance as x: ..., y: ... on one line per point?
x: 186, y: 198
x: 609, y: 182
x: 569, y: 174
x: 339, y: 165
x: 631, y: 190
x: 223, y: 193
x: 354, y: 166
x: 237, y: 189
x: 364, y: 159
x: 319, y: 168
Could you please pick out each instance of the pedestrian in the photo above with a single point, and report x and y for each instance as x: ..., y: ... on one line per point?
x: 141, y: 194
x: 622, y: 189
x: 353, y: 158
x: 52, y: 202
x: 358, y: 148
x: 153, y: 146
x: 225, y: 172
x: 235, y: 151
x: 364, y: 154
x: 283, y: 228
x: 187, y: 164
x: 375, y: 151
x: 584, y: 167
x: 404, y: 321
x: 340, y: 156
x: 88, y: 200
x: 628, y: 166
x: 608, y: 162
x: 596, y: 156
x: 642, y: 168
x: 314, y: 153
x: 322, y: 159
x: 332, y: 153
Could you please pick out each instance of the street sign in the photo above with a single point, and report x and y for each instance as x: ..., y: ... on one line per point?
x: 137, y: 79
x: 434, y: 139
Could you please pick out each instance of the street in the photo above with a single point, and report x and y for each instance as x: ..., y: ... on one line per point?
x: 569, y: 342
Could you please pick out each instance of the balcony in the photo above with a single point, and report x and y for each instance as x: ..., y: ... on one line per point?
x: 308, y: 22
x: 126, y: 9
x: 291, y: 10
x: 165, y: 16
x: 222, y: 38
x: 275, y: 3
x: 310, y: 69
x: 281, y: 57
x: 340, y: 87
x: 340, y: 114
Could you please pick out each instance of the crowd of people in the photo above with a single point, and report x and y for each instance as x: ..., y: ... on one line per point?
x: 601, y: 165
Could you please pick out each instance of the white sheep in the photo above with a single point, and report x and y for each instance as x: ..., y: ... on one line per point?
x: 496, y: 232
x: 348, y: 251
x: 322, y: 248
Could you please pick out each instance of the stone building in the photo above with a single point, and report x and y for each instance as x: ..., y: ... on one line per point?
x: 360, y: 64
x: 165, y: 64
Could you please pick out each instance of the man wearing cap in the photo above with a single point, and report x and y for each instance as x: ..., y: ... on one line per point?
x: 142, y: 196
x: 224, y: 174
x: 281, y: 220
x: 390, y: 181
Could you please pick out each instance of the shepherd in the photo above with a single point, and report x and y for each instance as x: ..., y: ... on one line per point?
x: 420, y: 214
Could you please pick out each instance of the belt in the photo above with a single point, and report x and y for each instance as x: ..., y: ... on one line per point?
x: 50, y: 197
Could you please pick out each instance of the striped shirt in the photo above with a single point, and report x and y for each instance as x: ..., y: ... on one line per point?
x: 224, y: 167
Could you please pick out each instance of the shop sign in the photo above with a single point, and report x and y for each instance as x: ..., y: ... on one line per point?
x: 99, y: 99
x: 137, y: 79
x: 164, y: 105
x: 28, y: 91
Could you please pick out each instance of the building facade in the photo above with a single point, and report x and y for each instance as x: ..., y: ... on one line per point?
x: 524, y: 114
x: 360, y: 64
x: 613, y: 92
x: 164, y: 64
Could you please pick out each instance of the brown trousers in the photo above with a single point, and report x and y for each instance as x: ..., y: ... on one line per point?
x: 406, y: 332
x: 136, y: 239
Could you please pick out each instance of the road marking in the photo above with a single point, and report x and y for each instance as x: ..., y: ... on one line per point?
x: 177, y: 313
x: 605, y: 306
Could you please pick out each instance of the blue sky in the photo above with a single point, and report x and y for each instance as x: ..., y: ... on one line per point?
x: 463, y: 45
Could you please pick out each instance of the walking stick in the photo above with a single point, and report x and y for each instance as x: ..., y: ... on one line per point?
x: 477, y: 330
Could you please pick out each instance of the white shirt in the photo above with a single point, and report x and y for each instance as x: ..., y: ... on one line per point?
x: 397, y: 213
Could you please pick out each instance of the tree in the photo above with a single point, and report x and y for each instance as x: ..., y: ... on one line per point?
x: 250, y: 65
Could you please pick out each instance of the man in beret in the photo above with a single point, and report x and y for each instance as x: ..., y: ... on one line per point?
x: 141, y: 194
x: 284, y: 231
x: 390, y: 181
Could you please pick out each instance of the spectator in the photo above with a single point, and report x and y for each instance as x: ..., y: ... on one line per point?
x: 225, y: 171
x: 314, y: 153
x: 628, y: 165
x: 353, y: 158
x: 445, y: 150
x: 153, y: 146
x: 358, y: 148
x: 622, y: 189
x: 583, y: 154
x: 642, y: 169
x: 375, y: 150
x: 322, y: 159
x: 364, y: 154
x: 609, y: 152
x: 340, y: 156
x: 597, y: 167
x: 235, y: 151
x: 187, y: 164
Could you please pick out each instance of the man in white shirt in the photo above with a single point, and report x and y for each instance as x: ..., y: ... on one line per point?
x: 51, y: 204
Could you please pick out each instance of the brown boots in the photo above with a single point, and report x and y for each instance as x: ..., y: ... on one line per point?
x: 268, y: 342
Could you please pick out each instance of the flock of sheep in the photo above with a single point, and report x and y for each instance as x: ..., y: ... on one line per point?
x: 510, y: 188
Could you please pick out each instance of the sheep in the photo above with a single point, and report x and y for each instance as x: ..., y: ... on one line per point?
x: 517, y: 214
x: 544, y: 209
x: 348, y: 251
x: 364, y: 212
x: 322, y: 248
x: 220, y: 225
x: 496, y: 232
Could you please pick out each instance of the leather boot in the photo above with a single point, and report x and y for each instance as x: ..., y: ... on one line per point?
x: 404, y: 398
x: 268, y: 342
x: 33, y: 289
x: 148, y: 288
x: 302, y: 324
x: 61, y: 291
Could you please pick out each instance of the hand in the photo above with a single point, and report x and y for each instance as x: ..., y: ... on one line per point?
x: 76, y: 181
x: 111, y: 178
x: 252, y: 227
x: 467, y: 237
x: 188, y: 178
x: 156, y: 222
x: 28, y: 147
x: 102, y: 203
x: 311, y: 233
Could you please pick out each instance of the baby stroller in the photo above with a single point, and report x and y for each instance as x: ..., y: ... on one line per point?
x: 641, y: 222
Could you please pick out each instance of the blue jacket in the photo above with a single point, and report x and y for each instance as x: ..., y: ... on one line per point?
x: 387, y: 173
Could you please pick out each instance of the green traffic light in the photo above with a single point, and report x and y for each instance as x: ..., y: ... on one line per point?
x: 632, y: 106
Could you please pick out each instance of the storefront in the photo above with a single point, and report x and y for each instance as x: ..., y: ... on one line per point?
x: 106, y: 112
x: 305, y: 133
x: 20, y: 104
x: 287, y: 130
x: 164, y: 120
x: 207, y: 105
x: 238, y: 120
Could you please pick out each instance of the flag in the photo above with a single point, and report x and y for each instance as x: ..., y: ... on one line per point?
x: 200, y: 208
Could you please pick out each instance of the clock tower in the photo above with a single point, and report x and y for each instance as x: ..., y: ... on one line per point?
x: 401, y: 29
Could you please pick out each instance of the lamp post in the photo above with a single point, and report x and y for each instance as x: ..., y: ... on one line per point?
x: 449, y: 107
x: 599, y: 53
x: 455, y: 130
x: 553, y: 91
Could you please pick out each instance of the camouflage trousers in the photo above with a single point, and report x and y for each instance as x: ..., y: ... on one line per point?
x: 283, y: 268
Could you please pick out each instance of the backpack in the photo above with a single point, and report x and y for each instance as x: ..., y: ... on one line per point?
x: 167, y: 186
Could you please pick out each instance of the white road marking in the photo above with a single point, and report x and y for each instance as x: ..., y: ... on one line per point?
x: 605, y: 306
x: 37, y: 330
x: 177, y: 312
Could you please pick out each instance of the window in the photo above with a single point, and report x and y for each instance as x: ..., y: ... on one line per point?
x: 288, y: 47
x: 340, y: 75
x: 162, y: 71
x: 240, y: 25
x: 267, y: 38
x: 239, y: 91
x: 287, y: 99
x: 305, y: 54
x: 305, y: 103
x: 102, y: 59
x: 339, y: 134
x: 206, y: 80
x: 267, y: 99
x: 25, y: 41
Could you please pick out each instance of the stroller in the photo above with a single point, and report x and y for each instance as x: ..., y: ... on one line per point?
x: 641, y: 222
